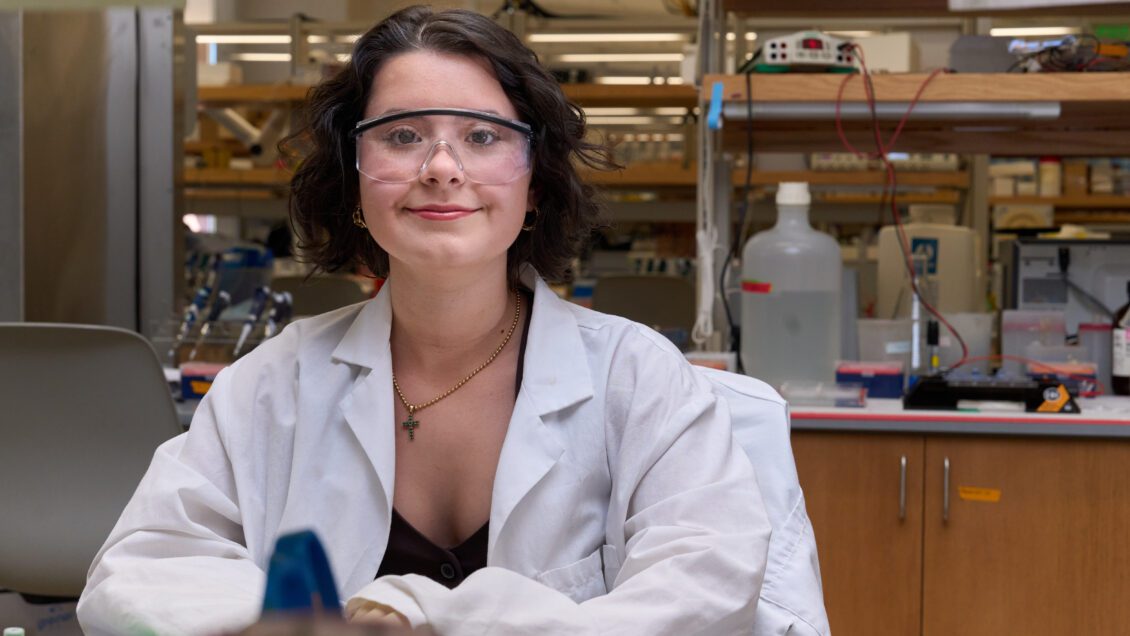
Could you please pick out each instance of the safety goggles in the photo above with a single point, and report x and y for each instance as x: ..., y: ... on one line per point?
x: 399, y: 147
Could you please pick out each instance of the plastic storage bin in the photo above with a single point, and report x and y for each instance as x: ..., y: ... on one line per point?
x: 1021, y: 328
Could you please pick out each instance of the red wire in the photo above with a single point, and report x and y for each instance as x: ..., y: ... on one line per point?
x: 882, y: 150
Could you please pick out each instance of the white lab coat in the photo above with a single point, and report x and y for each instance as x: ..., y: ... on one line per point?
x: 620, y: 504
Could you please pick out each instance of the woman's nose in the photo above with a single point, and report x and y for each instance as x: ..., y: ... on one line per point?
x: 442, y: 165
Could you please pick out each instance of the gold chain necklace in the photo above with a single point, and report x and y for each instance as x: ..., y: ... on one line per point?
x: 411, y: 423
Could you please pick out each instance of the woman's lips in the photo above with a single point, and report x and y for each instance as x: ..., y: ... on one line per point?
x: 441, y: 212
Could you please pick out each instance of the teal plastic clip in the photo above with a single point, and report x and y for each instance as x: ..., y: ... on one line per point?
x: 299, y: 577
x: 714, y: 113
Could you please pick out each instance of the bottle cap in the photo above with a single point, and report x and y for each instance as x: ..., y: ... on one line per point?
x: 13, y: 631
x: 793, y: 193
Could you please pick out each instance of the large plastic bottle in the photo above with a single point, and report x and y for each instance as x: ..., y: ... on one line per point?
x: 791, y: 287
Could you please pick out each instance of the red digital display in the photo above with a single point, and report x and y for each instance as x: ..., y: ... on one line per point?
x: 812, y: 43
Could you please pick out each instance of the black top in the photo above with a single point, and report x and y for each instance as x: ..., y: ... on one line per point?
x: 410, y: 552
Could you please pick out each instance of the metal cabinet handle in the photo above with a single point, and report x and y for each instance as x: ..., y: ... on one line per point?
x: 946, y: 490
x: 902, y: 488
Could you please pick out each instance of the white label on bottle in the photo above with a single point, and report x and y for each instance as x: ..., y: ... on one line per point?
x: 1120, y: 361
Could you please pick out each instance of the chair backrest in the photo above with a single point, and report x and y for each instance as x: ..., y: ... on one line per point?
x: 657, y: 301
x: 792, y: 598
x: 319, y: 294
x: 82, y: 408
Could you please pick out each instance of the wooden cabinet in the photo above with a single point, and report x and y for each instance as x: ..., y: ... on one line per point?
x: 1034, y: 540
x: 870, y: 552
x: 1050, y: 556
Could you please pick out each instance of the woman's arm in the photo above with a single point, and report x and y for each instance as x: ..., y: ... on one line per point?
x: 176, y: 562
x: 694, y: 531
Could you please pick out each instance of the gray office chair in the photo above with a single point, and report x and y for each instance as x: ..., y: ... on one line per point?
x: 667, y: 302
x: 792, y: 596
x: 83, y: 408
x: 319, y: 294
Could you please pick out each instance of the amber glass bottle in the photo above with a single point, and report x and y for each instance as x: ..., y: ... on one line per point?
x: 1120, y: 356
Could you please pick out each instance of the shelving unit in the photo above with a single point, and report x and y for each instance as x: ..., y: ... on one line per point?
x: 1076, y: 202
x: 998, y: 113
x: 645, y: 96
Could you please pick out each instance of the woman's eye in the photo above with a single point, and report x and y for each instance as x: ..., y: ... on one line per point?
x: 403, y: 136
x: 482, y: 137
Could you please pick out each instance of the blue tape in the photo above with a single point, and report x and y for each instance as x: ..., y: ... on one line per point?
x: 299, y: 577
x: 714, y: 113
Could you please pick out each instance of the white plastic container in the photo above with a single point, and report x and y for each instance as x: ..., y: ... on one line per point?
x: 1095, y: 338
x: 952, y: 260
x: 884, y: 340
x: 977, y: 332
x: 791, y: 295
x: 1020, y: 328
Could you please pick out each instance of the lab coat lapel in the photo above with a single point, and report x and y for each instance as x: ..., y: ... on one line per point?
x: 555, y: 376
x: 368, y: 408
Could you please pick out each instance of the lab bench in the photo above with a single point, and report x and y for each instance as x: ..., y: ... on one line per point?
x: 931, y: 522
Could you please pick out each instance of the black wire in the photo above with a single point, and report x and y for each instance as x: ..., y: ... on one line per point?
x: 743, y: 205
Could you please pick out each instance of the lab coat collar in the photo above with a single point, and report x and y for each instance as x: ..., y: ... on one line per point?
x: 555, y: 376
x: 555, y: 373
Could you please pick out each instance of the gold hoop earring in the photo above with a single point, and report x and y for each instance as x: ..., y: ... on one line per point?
x: 358, y: 219
x: 530, y: 225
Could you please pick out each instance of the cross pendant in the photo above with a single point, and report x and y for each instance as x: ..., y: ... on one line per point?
x: 411, y: 423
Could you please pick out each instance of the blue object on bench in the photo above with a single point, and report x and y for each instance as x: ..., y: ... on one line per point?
x: 299, y: 577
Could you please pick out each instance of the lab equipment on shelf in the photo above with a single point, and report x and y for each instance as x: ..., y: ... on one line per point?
x: 791, y: 295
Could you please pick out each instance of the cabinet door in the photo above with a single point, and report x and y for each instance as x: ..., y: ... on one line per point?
x: 870, y: 551
x: 1036, y: 540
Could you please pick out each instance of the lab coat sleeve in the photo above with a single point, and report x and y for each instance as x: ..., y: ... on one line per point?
x: 693, y: 533
x: 176, y: 562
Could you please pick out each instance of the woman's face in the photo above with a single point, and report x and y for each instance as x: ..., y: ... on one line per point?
x: 441, y: 220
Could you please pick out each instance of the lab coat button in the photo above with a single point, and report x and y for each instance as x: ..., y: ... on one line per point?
x: 446, y: 571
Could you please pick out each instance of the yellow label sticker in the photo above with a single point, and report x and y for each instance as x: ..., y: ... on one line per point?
x: 986, y: 495
x: 200, y: 387
x: 1054, y: 399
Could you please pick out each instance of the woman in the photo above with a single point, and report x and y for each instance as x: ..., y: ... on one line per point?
x: 475, y: 454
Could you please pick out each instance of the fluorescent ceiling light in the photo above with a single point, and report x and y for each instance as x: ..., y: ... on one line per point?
x: 261, y: 57
x: 341, y: 39
x: 853, y: 34
x: 635, y: 80
x: 633, y: 121
x: 1019, y: 32
x: 606, y: 37
x: 620, y: 57
x: 638, y: 80
x: 243, y: 39
x: 749, y: 37
x: 343, y: 57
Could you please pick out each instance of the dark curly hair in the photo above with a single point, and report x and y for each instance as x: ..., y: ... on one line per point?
x: 324, y: 190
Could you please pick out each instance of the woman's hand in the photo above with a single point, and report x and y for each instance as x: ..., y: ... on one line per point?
x: 375, y: 613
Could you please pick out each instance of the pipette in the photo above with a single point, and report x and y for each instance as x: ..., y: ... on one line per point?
x: 280, y: 313
x: 258, y: 303
x: 223, y: 299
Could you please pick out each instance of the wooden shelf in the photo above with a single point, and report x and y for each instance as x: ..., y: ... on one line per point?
x: 957, y: 179
x: 272, y: 177
x: 1083, y: 218
x: 251, y: 94
x: 1087, y: 201
x: 642, y: 175
x: 940, y: 196
x: 822, y: 9
x: 1092, y: 117
x: 648, y: 96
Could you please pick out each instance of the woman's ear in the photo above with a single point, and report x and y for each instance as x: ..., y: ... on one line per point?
x: 531, y: 198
